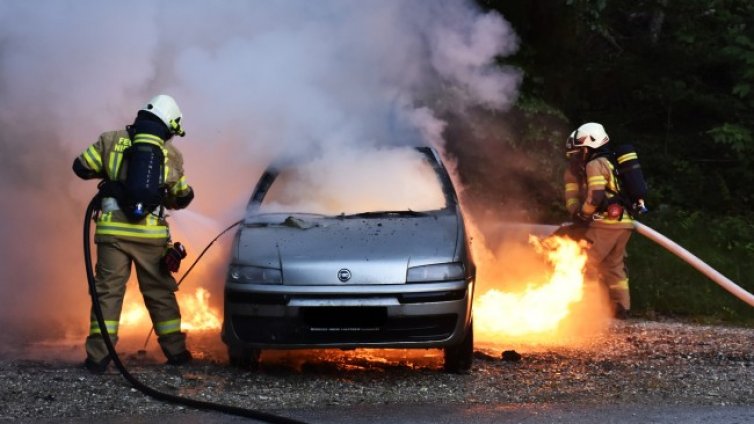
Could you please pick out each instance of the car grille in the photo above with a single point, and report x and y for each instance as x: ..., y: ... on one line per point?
x: 439, y: 296
x: 330, y: 325
x: 233, y: 296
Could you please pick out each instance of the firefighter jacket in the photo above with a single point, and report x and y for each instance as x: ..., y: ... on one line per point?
x: 591, y: 190
x: 104, y: 160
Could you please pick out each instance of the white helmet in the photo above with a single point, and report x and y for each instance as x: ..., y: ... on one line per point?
x: 165, y: 108
x: 591, y: 135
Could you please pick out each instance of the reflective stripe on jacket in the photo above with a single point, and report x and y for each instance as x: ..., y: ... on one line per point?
x: 584, y: 193
x: 106, y: 158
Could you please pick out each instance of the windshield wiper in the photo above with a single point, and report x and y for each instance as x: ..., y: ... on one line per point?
x: 296, y: 220
x: 407, y: 212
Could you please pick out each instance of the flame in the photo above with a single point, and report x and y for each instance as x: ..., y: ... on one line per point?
x: 546, y: 300
x: 133, y: 315
x: 196, y: 312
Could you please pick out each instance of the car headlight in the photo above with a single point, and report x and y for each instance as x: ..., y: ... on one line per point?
x: 255, y: 275
x: 435, y: 272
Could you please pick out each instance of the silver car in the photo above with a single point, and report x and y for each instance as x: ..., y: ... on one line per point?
x: 374, y: 257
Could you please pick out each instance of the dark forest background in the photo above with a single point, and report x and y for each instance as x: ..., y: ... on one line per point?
x: 675, y: 78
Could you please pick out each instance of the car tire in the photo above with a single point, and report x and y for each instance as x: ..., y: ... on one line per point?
x: 458, y: 358
x: 244, y: 358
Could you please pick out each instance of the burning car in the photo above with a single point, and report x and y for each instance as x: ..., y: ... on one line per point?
x: 356, y: 251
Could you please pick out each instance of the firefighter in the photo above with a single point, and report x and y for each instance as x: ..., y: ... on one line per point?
x: 592, y: 197
x: 122, y: 239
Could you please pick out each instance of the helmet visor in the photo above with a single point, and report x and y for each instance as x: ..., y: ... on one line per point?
x: 570, y: 147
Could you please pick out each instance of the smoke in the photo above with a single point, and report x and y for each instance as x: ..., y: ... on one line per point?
x: 349, y: 181
x: 255, y: 80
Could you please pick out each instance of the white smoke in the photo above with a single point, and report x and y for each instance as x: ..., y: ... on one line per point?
x: 255, y: 80
x: 348, y: 181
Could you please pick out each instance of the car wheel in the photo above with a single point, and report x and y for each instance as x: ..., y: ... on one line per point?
x: 458, y: 357
x: 244, y: 358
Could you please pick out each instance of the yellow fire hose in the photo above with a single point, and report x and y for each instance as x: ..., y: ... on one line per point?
x: 697, y: 263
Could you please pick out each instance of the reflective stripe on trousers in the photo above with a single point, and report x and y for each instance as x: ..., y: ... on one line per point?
x: 112, y: 327
x: 167, y: 327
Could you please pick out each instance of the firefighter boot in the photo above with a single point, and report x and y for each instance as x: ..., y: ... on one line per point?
x: 179, y: 359
x: 621, y: 312
x: 96, y: 367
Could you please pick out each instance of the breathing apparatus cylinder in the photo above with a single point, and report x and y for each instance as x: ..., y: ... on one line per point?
x: 143, y: 180
x: 634, y: 187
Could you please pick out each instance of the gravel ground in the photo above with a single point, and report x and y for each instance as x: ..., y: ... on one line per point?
x: 637, y: 362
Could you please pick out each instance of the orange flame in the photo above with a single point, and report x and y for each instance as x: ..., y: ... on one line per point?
x: 133, y: 315
x: 541, y: 308
x: 197, y: 315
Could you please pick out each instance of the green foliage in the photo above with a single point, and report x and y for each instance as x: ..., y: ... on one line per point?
x: 663, y: 284
x: 735, y: 137
x: 532, y: 106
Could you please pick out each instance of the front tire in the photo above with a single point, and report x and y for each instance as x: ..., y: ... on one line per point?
x: 244, y: 358
x: 458, y: 358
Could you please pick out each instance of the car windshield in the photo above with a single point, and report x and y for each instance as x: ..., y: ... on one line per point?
x: 385, y: 180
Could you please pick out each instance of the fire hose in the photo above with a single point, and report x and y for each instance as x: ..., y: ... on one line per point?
x: 166, y: 397
x: 694, y: 261
x: 687, y: 257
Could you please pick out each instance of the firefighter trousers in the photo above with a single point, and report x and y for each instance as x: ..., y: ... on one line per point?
x: 605, y: 262
x: 114, y: 258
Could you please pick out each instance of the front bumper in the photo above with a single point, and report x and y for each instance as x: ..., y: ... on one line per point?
x: 385, y: 316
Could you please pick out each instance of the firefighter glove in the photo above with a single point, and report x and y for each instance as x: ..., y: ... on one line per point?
x: 173, y: 256
x: 615, y: 211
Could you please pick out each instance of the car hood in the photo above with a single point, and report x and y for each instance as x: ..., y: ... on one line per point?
x: 372, y: 250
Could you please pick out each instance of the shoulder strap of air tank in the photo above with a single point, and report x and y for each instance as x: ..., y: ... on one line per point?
x: 613, y: 164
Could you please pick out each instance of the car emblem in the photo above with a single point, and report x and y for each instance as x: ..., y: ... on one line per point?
x: 344, y: 275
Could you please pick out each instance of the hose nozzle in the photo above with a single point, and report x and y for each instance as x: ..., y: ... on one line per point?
x: 640, y: 207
